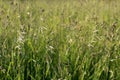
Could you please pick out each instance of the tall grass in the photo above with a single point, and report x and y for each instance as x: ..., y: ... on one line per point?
x: 59, y: 40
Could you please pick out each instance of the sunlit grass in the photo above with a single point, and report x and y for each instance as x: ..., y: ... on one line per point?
x: 59, y: 40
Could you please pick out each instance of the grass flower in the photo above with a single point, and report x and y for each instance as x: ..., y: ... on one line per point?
x: 70, y: 41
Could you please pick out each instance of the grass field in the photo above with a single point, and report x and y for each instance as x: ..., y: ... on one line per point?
x: 60, y: 40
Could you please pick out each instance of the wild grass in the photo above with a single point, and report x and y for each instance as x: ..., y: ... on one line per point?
x: 59, y: 40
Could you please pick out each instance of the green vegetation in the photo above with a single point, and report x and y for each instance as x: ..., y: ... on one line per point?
x: 59, y: 40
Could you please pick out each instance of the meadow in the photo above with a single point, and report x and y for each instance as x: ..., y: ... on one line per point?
x: 59, y: 40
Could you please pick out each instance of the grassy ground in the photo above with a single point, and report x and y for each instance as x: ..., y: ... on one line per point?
x: 59, y: 40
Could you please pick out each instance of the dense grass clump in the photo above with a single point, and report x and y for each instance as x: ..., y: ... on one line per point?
x: 59, y: 40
